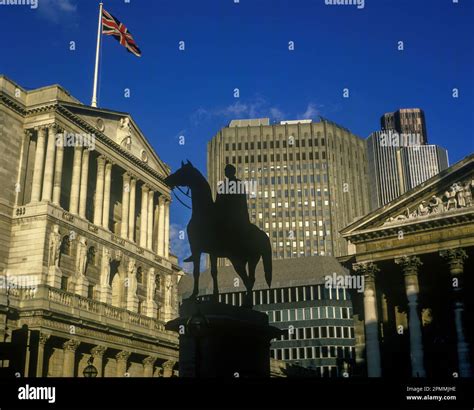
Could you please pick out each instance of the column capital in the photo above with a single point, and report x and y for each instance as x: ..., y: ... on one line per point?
x: 71, y: 345
x: 145, y: 188
x: 409, y: 264
x: 28, y: 133
x: 149, y: 361
x: 368, y: 269
x: 101, y: 159
x: 169, y: 365
x: 122, y: 356
x: 43, y: 338
x: 162, y: 199
x: 455, y: 258
x: 98, y: 351
x: 41, y: 129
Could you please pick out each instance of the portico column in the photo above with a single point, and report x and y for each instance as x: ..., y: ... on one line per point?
x: 148, y: 363
x: 372, y: 344
x: 106, y: 208
x: 39, y: 165
x: 410, y: 265
x: 125, y: 205
x: 168, y: 368
x: 455, y: 259
x: 122, y: 359
x: 43, y: 338
x: 70, y: 348
x: 76, y: 180
x: 99, y: 191
x: 131, y: 213
x: 161, y: 226
x: 58, y: 172
x: 144, y: 217
x: 149, y: 231
x: 84, y: 181
x: 98, y: 354
x: 167, y: 230
x: 49, y: 165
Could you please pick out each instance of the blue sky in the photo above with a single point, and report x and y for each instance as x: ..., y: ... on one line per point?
x: 245, y: 45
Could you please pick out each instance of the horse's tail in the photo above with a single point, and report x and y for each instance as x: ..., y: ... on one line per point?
x: 266, y: 250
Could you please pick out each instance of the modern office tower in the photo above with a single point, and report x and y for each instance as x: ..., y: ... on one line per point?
x: 396, y: 165
x: 311, y: 180
x: 406, y: 121
x: 315, y: 314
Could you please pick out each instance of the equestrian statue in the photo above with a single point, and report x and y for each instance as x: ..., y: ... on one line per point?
x: 222, y: 229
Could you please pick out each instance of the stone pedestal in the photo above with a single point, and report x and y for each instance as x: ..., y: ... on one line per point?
x: 81, y: 286
x: 218, y: 340
x: 106, y: 294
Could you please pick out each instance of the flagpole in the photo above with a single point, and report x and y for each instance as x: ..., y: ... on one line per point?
x: 97, y: 52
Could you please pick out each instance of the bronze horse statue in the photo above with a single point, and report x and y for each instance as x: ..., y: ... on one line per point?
x: 207, y: 235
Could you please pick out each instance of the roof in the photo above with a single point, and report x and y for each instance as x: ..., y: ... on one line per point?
x: 309, y: 270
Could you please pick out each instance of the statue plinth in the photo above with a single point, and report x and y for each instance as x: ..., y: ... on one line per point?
x: 219, y: 340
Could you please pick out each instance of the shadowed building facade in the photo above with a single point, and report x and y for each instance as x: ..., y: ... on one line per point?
x: 416, y: 254
x: 311, y: 180
x: 84, y: 244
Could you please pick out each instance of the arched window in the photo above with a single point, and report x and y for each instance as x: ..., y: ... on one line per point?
x: 91, y: 256
x: 139, y: 274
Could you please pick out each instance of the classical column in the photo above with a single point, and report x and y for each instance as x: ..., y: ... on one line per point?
x: 168, y: 368
x: 43, y: 338
x: 98, y: 355
x: 99, y: 191
x: 49, y: 165
x: 84, y: 181
x: 149, y: 240
x: 125, y: 205
x: 148, y: 363
x: 167, y: 230
x: 122, y: 360
x: 410, y: 265
x: 58, y: 172
x: 161, y: 226
x: 144, y: 217
x: 69, y: 348
x: 106, y: 209
x: 39, y: 165
x: 76, y: 180
x: 369, y: 270
x: 131, y: 212
x: 455, y: 259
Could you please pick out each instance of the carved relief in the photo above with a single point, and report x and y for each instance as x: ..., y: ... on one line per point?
x: 124, y: 133
x: 54, y: 246
x: 459, y: 195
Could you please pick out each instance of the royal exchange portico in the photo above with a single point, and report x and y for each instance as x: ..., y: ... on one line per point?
x: 84, y: 214
x: 417, y: 257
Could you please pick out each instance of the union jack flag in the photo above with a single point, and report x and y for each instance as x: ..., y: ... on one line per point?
x: 112, y: 27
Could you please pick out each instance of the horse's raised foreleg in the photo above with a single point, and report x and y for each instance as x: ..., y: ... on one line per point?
x: 215, y: 285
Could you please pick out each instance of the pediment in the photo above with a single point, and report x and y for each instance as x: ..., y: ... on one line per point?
x: 123, y: 131
x: 449, y: 193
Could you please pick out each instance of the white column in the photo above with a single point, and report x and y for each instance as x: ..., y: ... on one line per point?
x: 49, y: 165
x: 125, y: 205
x: 410, y: 265
x: 69, y: 348
x: 39, y: 164
x: 99, y: 191
x: 76, y: 180
x: 58, y: 173
x: 84, y: 181
x: 122, y: 363
x: 144, y: 217
x: 167, y: 230
x: 106, y: 209
x: 148, y: 363
x: 455, y: 259
x: 372, y: 345
x: 149, y: 240
x: 131, y: 212
x: 161, y: 226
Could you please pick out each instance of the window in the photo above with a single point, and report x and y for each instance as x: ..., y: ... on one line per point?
x: 66, y: 246
x: 90, y: 291
x: 277, y: 315
x: 139, y: 275
x: 331, y: 331
x: 323, y: 332
x: 64, y: 280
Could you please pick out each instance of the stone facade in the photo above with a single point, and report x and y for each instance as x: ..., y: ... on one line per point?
x: 415, y: 254
x: 84, y: 221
